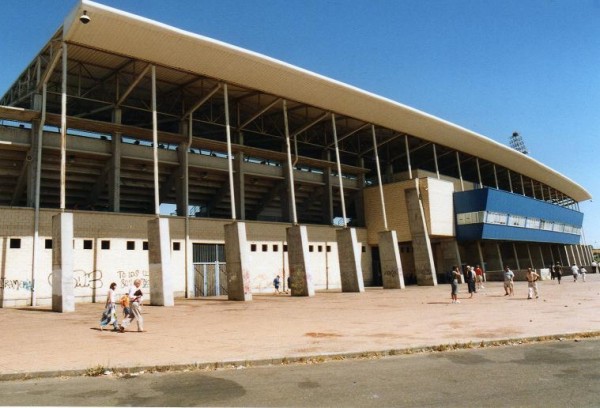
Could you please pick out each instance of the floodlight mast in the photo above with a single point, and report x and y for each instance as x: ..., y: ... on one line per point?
x: 517, y: 143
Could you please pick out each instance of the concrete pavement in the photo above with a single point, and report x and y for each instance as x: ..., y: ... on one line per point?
x: 212, y: 332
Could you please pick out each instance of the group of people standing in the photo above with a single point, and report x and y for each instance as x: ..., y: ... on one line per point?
x: 556, y: 272
x: 473, y: 278
x: 131, y: 302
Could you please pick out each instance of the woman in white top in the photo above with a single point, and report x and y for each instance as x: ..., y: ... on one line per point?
x: 110, y: 314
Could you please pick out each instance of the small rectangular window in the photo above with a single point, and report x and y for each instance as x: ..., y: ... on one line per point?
x: 320, y: 248
x: 145, y: 245
x: 130, y: 245
x: 253, y: 247
x: 364, y: 248
x: 87, y: 244
x: 285, y: 248
x: 15, y: 243
x: 48, y: 244
x: 275, y: 248
x: 328, y: 248
x: 310, y: 248
x: 265, y: 247
x: 105, y: 244
x: 176, y: 246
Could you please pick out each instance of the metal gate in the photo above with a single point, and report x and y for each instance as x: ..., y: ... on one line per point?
x: 210, y: 269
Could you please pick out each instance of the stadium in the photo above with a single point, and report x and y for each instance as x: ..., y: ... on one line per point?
x: 132, y: 149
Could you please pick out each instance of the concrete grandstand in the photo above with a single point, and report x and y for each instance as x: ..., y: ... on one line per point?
x: 269, y: 169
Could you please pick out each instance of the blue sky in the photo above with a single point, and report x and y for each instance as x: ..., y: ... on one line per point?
x: 491, y: 66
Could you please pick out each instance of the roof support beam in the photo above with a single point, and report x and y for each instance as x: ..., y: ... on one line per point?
x: 347, y: 135
x: 310, y: 124
x: 132, y: 86
x: 202, y: 101
x: 257, y: 114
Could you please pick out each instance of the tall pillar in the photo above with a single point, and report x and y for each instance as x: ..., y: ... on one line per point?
x: 566, y: 251
x: 359, y: 197
x: 114, y: 180
x: 32, y: 162
x: 182, y: 183
x: 500, y: 256
x: 389, y: 257
x: 349, y: 259
x: 63, y: 288
x: 238, y: 265
x: 301, y: 283
x: 423, y: 255
x: 286, y: 201
x: 159, y: 260
x: 516, y: 257
x: 239, y: 185
x: 327, y: 197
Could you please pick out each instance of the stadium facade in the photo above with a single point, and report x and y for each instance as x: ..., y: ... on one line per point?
x: 270, y: 170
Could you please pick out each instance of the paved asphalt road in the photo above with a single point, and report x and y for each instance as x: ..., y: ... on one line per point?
x: 551, y: 374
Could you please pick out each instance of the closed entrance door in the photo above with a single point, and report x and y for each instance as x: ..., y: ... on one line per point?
x: 210, y: 271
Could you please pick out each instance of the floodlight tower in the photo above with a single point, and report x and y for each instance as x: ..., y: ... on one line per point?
x: 517, y: 143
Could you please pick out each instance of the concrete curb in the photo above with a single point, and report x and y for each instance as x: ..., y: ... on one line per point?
x: 307, y: 359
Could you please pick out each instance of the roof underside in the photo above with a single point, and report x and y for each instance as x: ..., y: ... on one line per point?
x: 108, y: 65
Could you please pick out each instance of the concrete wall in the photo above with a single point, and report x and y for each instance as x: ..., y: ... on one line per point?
x: 437, y: 204
x: 95, y: 268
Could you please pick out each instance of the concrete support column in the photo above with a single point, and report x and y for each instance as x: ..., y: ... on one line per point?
x: 516, y: 257
x: 301, y: 283
x: 32, y: 162
x: 572, y: 255
x: 566, y: 252
x: 63, y: 288
x: 114, y: 179
x: 389, y: 173
x: 239, y: 185
x: 500, y: 256
x: 531, y: 264
x: 238, y: 264
x: 349, y: 259
x: 159, y: 260
x: 423, y: 255
x: 481, y: 260
x: 389, y: 257
x: 327, y: 197
x: 451, y: 255
x: 286, y: 193
x: 359, y: 197
x: 182, y: 183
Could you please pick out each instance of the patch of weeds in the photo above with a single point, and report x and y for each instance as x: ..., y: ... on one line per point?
x: 95, y: 371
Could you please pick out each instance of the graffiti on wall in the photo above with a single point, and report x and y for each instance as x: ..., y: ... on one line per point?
x: 127, y: 277
x: 83, y: 279
x: 15, y: 284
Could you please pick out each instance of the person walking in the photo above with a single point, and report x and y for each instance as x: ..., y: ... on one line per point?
x: 509, y: 285
x: 575, y: 271
x: 454, y: 276
x: 558, y: 272
x: 582, y: 272
x: 276, y: 283
x: 110, y: 313
x: 136, y: 297
x: 479, y: 277
x: 470, y: 276
x: 532, y: 289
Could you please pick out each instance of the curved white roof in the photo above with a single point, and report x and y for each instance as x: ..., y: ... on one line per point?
x: 119, y: 32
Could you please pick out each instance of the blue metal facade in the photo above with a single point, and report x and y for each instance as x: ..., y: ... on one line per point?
x: 503, y: 202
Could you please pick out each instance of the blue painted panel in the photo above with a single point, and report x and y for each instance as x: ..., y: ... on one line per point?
x: 508, y: 233
x: 487, y: 199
